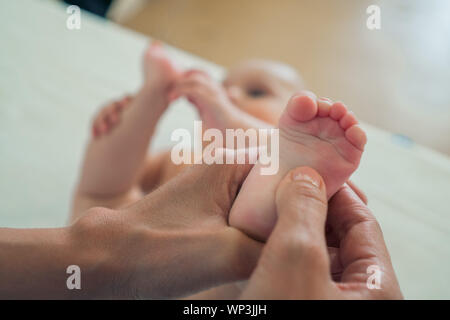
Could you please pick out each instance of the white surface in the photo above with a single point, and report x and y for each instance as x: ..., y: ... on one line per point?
x: 52, y: 80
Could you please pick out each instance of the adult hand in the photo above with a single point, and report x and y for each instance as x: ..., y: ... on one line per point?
x: 175, y: 241
x: 172, y: 243
x: 294, y: 263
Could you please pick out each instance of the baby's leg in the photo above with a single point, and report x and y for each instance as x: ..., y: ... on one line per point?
x: 113, y: 162
x: 313, y: 133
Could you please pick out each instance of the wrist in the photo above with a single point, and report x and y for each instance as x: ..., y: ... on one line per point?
x: 35, y: 265
x: 155, y: 91
x: 94, y: 239
x: 154, y: 100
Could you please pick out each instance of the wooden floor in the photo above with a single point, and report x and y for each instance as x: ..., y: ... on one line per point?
x: 397, y: 78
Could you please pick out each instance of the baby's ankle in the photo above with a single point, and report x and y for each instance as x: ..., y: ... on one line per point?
x: 154, y: 87
x: 151, y: 95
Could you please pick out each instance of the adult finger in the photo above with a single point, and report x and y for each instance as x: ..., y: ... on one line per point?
x: 358, y: 191
x: 294, y: 263
x: 362, y: 247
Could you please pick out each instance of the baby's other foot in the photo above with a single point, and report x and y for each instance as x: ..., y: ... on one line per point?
x: 208, y: 96
x: 109, y: 116
x: 159, y: 71
x: 314, y: 133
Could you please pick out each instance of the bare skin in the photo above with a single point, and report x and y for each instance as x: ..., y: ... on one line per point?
x: 315, y: 133
x: 124, y: 150
x: 294, y: 263
x: 250, y: 97
x: 117, y: 250
x: 136, y: 252
x: 325, y: 135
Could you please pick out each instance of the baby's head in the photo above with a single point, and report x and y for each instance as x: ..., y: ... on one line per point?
x: 262, y: 87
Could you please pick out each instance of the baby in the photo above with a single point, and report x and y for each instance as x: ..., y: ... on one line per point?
x: 313, y: 132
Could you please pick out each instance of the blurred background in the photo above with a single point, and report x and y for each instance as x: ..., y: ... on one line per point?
x: 396, y: 78
x: 53, y: 79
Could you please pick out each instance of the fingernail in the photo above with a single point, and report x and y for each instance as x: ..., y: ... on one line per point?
x: 304, y: 177
x: 306, y: 174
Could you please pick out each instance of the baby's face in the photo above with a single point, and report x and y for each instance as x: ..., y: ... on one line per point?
x: 262, y: 88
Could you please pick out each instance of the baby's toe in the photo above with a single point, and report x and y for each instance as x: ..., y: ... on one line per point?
x: 356, y: 135
x: 324, y: 106
x: 302, y: 107
x: 337, y: 111
x: 348, y: 120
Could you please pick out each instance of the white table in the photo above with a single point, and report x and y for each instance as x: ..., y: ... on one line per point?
x: 53, y: 79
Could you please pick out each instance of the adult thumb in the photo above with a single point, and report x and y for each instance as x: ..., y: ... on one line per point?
x: 302, y: 204
x: 294, y: 262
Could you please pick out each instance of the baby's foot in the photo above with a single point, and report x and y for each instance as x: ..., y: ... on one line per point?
x: 109, y: 116
x: 315, y: 133
x: 159, y: 75
x: 208, y: 96
x: 159, y: 71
